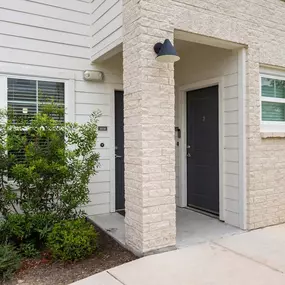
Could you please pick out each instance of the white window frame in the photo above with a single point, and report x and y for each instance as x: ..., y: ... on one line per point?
x: 271, y: 126
x: 69, y: 92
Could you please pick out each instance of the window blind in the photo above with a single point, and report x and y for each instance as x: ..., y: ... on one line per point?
x: 51, y: 91
x: 22, y: 97
x: 273, y: 111
x: 26, y: 98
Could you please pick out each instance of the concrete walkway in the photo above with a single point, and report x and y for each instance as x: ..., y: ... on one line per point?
x: 255, y: 258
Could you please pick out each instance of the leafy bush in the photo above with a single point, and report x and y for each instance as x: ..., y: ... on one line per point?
x: 45, y: 168
x: 72, y: 240
x: 9, y: 261
x: 49, y: 162
x: 7, y: 195
x: 42, y: 224
x: 29, y: 250
x: 15, y: 228
x: 21, y: 229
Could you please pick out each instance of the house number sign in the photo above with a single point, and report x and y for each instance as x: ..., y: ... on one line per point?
x: 102, y: 129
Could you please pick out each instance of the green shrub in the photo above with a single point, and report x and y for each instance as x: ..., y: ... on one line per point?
x: 55, y: 164
x: 10, y: 261
x: 15, y: 229
x: 42, y: 224
x: 22, y: 229
x: 72, y: 240
x: 29, y: 250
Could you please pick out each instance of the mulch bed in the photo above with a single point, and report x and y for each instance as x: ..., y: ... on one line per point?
x: 45, y: 272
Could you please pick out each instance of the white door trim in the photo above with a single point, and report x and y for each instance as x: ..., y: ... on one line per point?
x: 242, y: 138
x: 182, y: 191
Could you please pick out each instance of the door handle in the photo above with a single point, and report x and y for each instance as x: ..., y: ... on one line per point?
x: 189, y: 155
x: 118, y: 156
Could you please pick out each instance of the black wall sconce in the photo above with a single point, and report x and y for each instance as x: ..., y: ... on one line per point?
x: 166, y: 52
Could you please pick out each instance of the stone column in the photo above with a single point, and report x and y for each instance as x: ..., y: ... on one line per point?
x: 149, y: 131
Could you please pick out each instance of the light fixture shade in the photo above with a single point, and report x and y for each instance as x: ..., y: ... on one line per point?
x: 166, y: 52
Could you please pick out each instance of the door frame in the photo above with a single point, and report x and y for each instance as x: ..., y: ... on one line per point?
x: 182, y: 109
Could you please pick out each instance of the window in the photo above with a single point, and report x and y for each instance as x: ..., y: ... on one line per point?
x: 26, y: 97
x: 272, y: 104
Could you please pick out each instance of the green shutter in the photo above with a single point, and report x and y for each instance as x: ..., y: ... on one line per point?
x: 272, y: 111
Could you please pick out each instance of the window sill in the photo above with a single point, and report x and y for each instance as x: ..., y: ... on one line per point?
x: 273, y: 129
x: 266, y: 135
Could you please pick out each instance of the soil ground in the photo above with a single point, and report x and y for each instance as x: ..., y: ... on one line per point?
x: 39, y: 272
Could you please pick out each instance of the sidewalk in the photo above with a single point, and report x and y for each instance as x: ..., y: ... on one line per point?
x: 255, y: 258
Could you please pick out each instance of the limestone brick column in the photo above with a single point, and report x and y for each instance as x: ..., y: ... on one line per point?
x: 149, y: 131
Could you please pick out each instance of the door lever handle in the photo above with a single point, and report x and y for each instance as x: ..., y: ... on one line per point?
x: 189, y: 155
x: 118, y: 156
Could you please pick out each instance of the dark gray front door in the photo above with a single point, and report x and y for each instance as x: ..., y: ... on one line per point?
x: 119, y: 150
x: 203, y: 149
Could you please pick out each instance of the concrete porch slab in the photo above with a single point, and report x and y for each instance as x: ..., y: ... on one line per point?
x: 192, y: 227
x: 113, y: 224
x: 266, y: 246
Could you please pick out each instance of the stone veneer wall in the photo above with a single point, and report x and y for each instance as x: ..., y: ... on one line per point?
x: 257, y: 24
x: 260, y: 25
x: 149, y: 133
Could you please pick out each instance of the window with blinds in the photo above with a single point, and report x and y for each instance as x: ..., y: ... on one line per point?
x: 26, y: 97
x: 273, y: 100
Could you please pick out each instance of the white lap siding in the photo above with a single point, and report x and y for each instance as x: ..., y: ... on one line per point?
x: 51, y: 39
x: 106, y: 26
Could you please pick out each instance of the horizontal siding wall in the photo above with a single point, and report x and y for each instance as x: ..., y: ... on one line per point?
x: 51, y: 39
x: 231, y: 140
x: 106, y: 26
